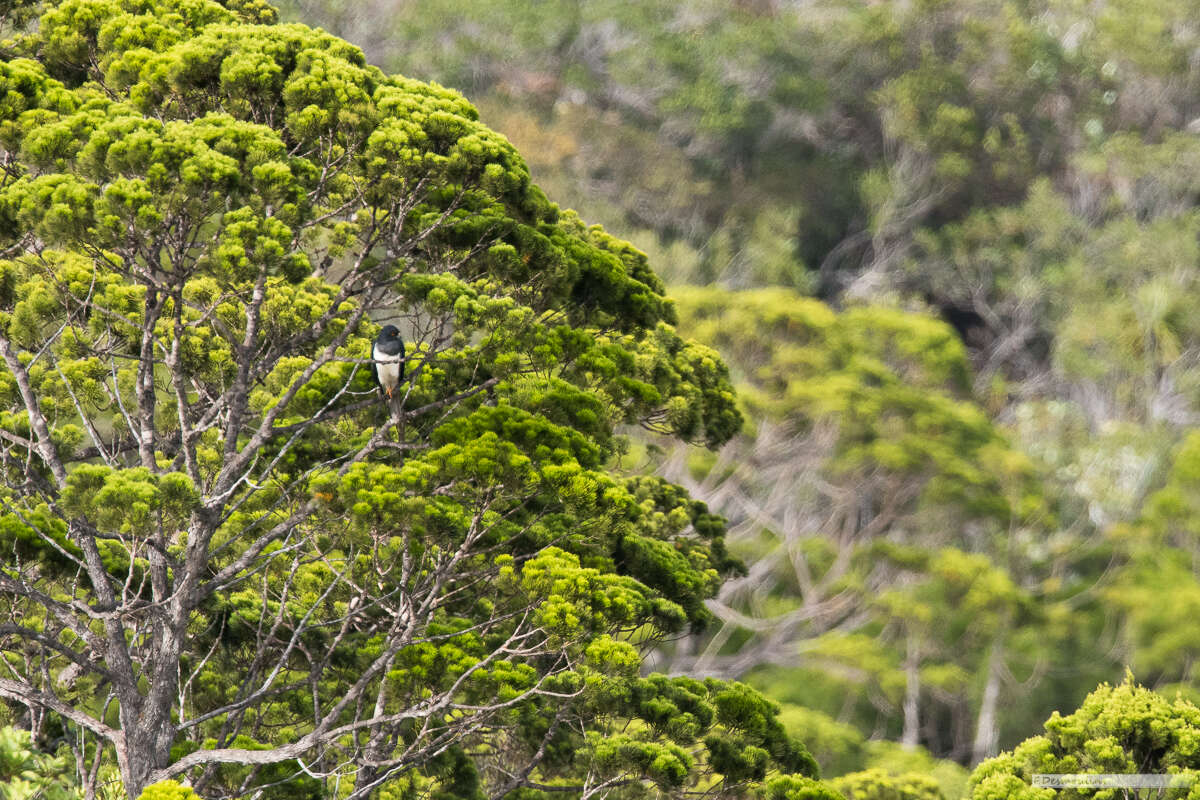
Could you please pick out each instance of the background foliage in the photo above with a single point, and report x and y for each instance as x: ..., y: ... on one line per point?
x: 950, y: 251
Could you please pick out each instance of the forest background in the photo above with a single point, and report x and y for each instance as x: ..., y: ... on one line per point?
x: 950, y: 250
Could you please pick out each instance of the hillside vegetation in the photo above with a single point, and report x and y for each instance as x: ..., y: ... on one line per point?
x: 950, y: 249
x: 855, y: 457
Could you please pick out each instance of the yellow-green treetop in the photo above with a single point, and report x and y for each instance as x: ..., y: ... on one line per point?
x: 228, y: 559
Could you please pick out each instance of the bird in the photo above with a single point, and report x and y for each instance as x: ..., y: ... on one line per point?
x: 388, y: 355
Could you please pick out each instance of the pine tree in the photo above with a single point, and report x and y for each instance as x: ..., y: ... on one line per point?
x: 227, y: 558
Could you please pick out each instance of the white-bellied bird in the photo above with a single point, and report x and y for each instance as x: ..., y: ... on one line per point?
x: 388, y: 353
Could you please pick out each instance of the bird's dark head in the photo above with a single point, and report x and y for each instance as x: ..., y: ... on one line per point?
x: 388, y: 333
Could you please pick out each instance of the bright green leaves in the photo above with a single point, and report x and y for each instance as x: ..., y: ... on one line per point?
x: 397, y: 501
x: 893, y: 385
x: 489, y: 458
x: 663, y: 566
x: 47, y: 289
x: 29, y: 775
x: 28, y: 305
x: 564, y: 404
x: 294, y: 309
x: 210, y: 220
x: 57, y: 207
x: 791, y: 787
x: 1118, y: 729
x: 532, y: 433
x: 200, y: 83
x: 678, y: 387
x: 657, y: 379
x: 251, y: 245
x: 25, y: 88
x: 253, y: 76
x: 152, y: 175
x: 683, y: 726
x: 602, y: 279
x: 327, y: 95
x: 643, y: 532
x: 677, y: 543
x: 78, y: 34
x: 129, y: 204
x: 131, y: 500
x: 125, y: 145
x: 573, y: 600
x: 51, y: 145
x: 877, y: 784
x: 397, y: 155
x: 611, y: 657
x: 168, y: 790
x: 454, y: 650
x: 677, y: 708
x: 670, y: 385
x: 667, y: 765
x: 37, y: 533
x: 206, y: 174
x: 752, y: 725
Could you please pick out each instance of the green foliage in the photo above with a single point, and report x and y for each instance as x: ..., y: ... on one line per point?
x: 1026, y: 172
x: 896, y: 760
x: 1170, y: 513
x: 837, y: 746
x: 1158, y: 589
x: 946, y: 505
x: 28, y: 775
x: 792, y: 788
x: 900, y: 492
x: 168, y: 790
x: 1118, y: 729
x: 862, y: 369
x: 251, y: 569
x: 875, y: 784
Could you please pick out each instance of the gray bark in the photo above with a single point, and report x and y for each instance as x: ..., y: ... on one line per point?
x: 912, y: 694
x: 987, y: 732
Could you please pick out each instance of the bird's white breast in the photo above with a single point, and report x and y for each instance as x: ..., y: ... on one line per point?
x: 388, y: 366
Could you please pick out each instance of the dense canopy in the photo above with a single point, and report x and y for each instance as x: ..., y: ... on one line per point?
x: 227, y: 560
x: 949, y: 250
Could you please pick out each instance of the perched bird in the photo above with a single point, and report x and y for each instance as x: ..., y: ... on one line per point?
x: 388, y: 353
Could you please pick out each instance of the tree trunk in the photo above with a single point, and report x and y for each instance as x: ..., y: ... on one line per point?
x: 912, y: 694
x: 987, y: 732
